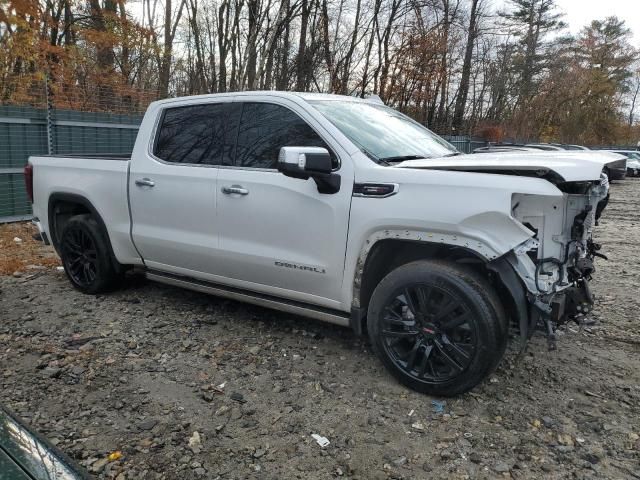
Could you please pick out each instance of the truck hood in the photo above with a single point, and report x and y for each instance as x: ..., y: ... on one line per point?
x: 557, y: 167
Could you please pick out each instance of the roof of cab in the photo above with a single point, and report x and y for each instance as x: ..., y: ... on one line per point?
x: 307, y: 96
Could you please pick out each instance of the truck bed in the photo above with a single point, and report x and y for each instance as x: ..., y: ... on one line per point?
x: 100, y: 181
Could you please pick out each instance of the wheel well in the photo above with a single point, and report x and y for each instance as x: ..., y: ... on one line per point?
x: 63, y: 206
x: 60, y: 212
x: 387, y: 255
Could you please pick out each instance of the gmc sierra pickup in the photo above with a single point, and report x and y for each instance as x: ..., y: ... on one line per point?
x: 342, y: 210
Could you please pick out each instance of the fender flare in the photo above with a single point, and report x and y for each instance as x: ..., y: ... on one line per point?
x: 429, y: 238
x: 516, y: 290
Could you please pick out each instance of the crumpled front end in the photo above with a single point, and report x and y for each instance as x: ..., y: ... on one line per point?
x: 557, y: 262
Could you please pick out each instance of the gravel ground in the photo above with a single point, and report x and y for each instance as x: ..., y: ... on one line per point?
x: 178, y: 385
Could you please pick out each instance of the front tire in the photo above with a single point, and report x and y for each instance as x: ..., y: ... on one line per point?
x: 86, y: 256
x: 438, y: 327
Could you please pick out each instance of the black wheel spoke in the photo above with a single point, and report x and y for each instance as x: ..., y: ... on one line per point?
x: 91, y: 272
x: 413, y: 355
x: 447, y: 358
x: 401, y: 333
x: 80, y: 256
x: 459, y: 348
x: 75, y: 262
x: 410, y: 302
x: 426, y: 361
x: 455, y: 322
x: 396, y: 316
x: 76, y: 268
x: 445, y: 310
x: 85, y: 272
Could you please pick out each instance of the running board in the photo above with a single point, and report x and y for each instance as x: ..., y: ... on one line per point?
x: 289, y: 306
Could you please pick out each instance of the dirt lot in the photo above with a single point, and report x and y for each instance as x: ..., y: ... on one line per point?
x: 188, y: 386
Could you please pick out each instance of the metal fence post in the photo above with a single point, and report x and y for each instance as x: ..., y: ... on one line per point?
x: 49, y: 112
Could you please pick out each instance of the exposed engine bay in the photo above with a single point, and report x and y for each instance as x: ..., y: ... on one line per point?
x: 557, y: 262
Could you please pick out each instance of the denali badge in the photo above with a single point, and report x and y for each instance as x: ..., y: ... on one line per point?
x: 300, y: 267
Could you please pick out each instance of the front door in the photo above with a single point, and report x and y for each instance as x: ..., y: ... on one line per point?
x: 278, y: 235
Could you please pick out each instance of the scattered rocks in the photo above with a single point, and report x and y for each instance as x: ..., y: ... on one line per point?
x: 195, y: 443
x: 254, y: 350
x: 501, y: 467
x: 548, y: 422
x: 99, y: 465
x: 238, y: 397
x: 52, y: 372
x: 147, y: 424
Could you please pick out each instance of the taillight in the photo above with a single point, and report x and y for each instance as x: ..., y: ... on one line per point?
x: 28, y: 180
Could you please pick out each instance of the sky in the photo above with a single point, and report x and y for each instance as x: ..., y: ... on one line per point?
x: 579, y: 13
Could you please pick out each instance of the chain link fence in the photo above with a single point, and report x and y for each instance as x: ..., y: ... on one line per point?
x: 465, y: 143
x: 46, y: 122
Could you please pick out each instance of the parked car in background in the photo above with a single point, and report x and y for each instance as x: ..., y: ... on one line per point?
x: 616, y: 168
x: 510, y: 147
x: 633, y: 161
x: 26, y: 455
x: 544, y: 146
x: 497, y: 148
x: 339, y: 209
x: 565, y: 146
x: 633, y: 168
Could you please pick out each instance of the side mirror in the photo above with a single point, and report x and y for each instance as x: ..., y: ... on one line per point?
x: 304, y: 162
x: 309, y: 162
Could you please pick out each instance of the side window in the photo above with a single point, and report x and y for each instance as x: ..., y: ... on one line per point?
x: 198, y: 134
x: 265, y: 128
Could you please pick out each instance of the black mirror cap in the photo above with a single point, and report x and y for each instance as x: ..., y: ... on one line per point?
x: 318, y: 163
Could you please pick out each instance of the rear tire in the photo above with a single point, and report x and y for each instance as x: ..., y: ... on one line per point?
x: 86, y: 256
x: 438, y: 327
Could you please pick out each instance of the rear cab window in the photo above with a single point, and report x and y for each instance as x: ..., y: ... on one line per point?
x: 203, y: 134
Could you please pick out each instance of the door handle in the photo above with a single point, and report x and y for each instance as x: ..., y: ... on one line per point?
x: 145, y: 182
x: 235, y: 189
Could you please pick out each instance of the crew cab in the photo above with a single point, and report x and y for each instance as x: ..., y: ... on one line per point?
x: 338, y: 209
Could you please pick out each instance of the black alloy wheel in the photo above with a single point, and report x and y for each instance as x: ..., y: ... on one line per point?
x: 439, y: 327
x: 428, y: 333
x: 86, y: 255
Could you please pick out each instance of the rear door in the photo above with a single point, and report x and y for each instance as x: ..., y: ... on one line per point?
x: 172, y: 187
x: 278, y: 235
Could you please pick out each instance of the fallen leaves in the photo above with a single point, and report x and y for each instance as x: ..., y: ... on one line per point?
x: 23, y: 255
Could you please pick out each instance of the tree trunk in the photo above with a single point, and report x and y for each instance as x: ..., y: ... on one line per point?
x: 252, y: 54
x: 302, y: 67
x: 461, y: 100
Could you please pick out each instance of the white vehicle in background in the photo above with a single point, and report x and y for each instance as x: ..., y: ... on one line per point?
x: 338, y: 209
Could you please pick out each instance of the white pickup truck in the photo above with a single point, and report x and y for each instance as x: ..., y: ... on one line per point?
x: 342, y: 210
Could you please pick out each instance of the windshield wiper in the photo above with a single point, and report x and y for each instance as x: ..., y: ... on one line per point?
x: 454, y: 154
x: 401, y: 158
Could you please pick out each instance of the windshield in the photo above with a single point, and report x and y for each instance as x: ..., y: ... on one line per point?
x: 382, y: 133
